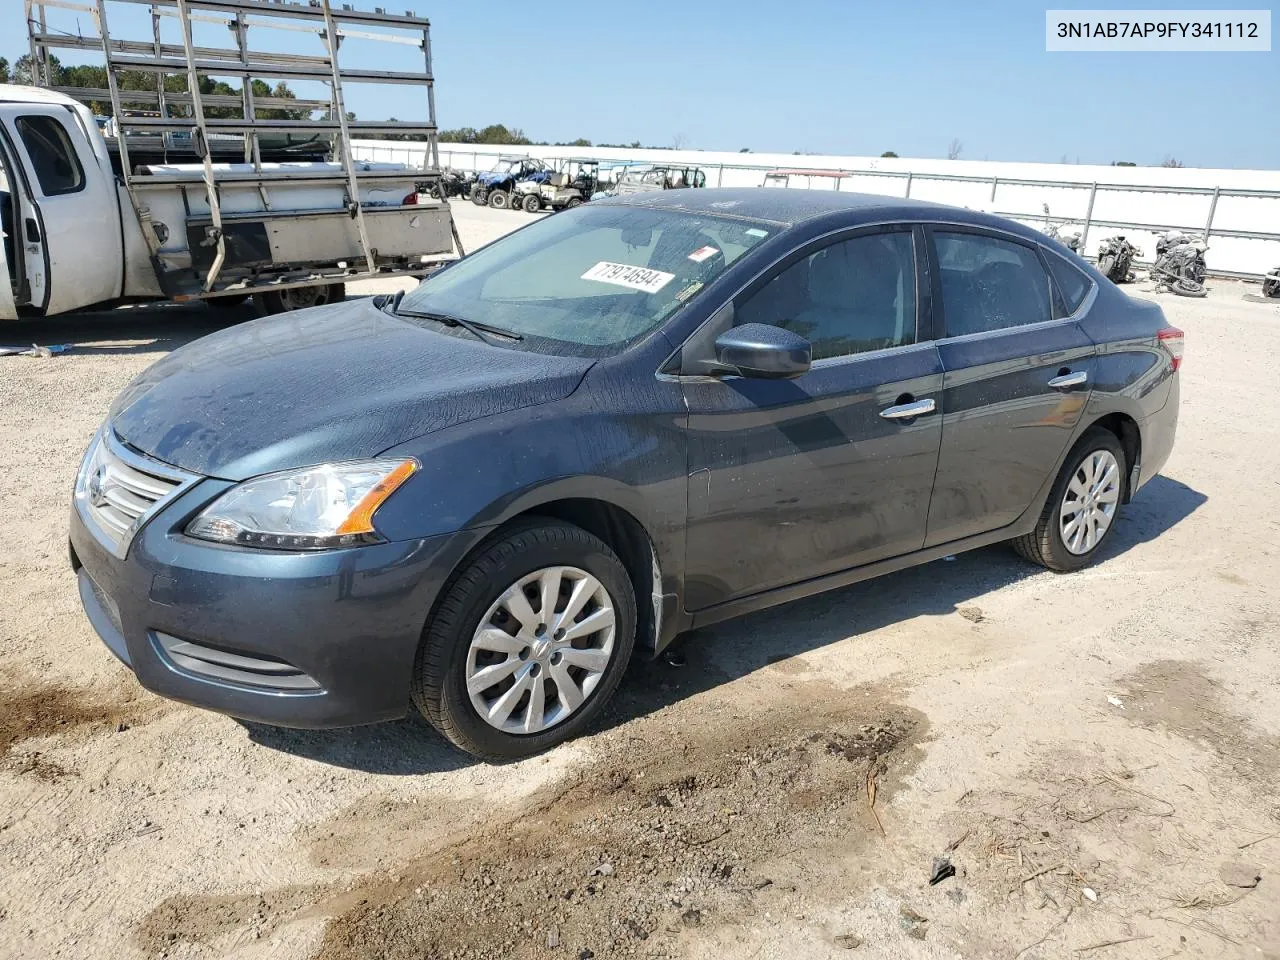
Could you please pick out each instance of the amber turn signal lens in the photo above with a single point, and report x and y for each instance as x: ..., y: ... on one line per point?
x: 361, y: 518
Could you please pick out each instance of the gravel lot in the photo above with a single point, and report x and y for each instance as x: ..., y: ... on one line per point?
x: 1098, y: 753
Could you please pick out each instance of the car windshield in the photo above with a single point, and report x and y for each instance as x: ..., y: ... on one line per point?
x: 589, y: 281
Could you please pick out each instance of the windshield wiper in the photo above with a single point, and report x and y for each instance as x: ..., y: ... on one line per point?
x: 481, y: 331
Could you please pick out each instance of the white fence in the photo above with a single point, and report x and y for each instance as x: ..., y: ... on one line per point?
x: 1239, y: 210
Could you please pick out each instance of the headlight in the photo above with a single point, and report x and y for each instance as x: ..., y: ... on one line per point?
x: 330, y: 505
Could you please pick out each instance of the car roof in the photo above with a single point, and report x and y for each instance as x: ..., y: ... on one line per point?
x: 792, y: 207
x: 12, y: 93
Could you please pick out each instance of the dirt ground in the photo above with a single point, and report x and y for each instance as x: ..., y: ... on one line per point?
x: 1097, y: 755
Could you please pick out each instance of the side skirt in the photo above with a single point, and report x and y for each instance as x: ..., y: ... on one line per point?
x: 843, y: 578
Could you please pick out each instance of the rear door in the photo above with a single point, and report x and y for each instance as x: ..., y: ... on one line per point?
x: 71, y: 231
x: 794, y: 479
x: 1017, y: 377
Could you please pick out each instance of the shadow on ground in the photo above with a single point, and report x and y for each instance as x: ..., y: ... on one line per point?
x: 736, y: 648
x: 404, y: 747
x: 144, y: 328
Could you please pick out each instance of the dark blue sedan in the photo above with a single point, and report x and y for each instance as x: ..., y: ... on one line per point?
x: 614, y: 425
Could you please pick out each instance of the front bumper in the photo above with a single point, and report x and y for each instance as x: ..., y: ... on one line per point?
x: 321, y: 639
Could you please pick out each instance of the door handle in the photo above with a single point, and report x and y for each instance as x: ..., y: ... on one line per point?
x: 33, y: 230
x: 1066, y: 381
x: 909, y: 411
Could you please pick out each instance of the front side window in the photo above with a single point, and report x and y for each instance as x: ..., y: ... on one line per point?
x: 849, y: 297
x: 53, y: 157
x: 588, y: 281
x: 989, y: 283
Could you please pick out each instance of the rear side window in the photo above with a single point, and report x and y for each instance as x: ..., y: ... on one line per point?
x: 52, y: 155
x: 989, y: 283
x: 1072, y: 283
x: 849, y: 297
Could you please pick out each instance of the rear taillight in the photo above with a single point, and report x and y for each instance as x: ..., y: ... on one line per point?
x: 410, y: 199
x: 1171, y: 339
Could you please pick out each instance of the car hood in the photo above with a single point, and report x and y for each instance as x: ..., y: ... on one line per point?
x: 339, y: 382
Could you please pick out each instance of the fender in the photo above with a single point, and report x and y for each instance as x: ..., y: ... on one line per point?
x: 478, y: 475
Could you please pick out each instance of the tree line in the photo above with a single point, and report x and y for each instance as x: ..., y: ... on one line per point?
x: 94, y: 77
x: 495, y: 134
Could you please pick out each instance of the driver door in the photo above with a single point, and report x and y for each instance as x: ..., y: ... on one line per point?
x: 795, y: 479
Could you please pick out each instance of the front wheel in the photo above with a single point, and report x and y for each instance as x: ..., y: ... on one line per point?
x: 300, y: 298
x: 532, y: 203
x: 529, y: 642
x: 1271, y: 287
x: 574, y: 202
x: 498, y: 199
x: 1081, y: 509
x: 1106, y: 265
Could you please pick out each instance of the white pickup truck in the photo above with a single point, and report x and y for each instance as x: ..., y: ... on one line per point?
x: 72, y: 238
x: 77, y: 234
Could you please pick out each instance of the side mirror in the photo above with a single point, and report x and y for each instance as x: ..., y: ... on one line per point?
x: 764, y: 351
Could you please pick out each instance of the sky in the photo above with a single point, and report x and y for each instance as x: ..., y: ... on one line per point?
x: 815, y: 76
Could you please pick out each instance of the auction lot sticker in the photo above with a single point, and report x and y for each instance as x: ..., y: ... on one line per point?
x: 625, y: 275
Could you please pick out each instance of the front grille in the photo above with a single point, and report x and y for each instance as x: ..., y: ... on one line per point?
x: 118, y: 490
x: 254, y: 670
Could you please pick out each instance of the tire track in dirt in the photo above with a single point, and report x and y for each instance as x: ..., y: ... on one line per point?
x: 675, y: 826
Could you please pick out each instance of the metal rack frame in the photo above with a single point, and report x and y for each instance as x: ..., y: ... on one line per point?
x: 191, y: 61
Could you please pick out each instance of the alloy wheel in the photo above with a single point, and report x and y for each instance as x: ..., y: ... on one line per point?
x: 1090, y: 501
x: 540, y: 650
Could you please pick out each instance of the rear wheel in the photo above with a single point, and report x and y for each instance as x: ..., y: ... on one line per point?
x: 1271, y: 287
x: 1080, y: 512
x: 300, y: 298
x: 573, y: 202
x: 532, y: 203
x: 529, y: 642
x: 478, y: 196
x: 498, y: 199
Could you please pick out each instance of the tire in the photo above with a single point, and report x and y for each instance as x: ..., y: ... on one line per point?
x: 1045, y: 544
x: 300, y: 298
x: 446, y: 656
x: 1188, y: 288
x: 1106, y: 265
x: 478, y: 196
x: 532, y: 203
x: 436, y: 192
x: 498, y: 199
x: 573, y: 202
x: 1271, y: 288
